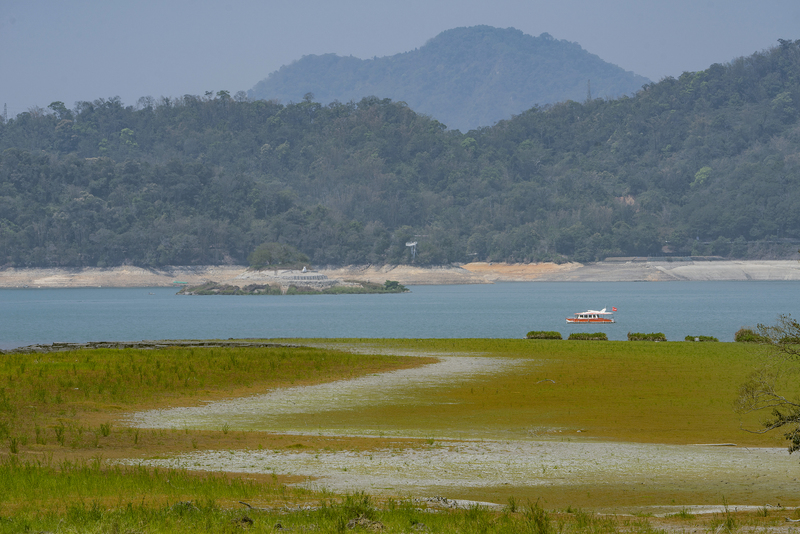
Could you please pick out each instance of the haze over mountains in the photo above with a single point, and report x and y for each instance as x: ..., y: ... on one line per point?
x: 465, y: 77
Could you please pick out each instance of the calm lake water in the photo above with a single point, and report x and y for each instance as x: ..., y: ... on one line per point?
x: 506, y: 310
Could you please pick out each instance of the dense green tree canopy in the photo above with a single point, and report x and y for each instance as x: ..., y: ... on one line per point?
x: 706, y: 163
x: 276, y: 255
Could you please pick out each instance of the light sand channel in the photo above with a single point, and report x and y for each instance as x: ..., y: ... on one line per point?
x: 448, y: 468
x: 271, y: 412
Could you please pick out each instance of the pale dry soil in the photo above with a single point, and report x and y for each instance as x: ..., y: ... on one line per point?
x: 472, y: 465
x: 470, y: 273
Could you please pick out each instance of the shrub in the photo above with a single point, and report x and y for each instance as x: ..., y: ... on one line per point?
x: 543, y: 334
x: 393, y: 286
x: 653, y: 336
x: 700, y: 338
x: 747, y: 335
x: 261, y: 289
x: 276, y: 256
x: 585, y: 336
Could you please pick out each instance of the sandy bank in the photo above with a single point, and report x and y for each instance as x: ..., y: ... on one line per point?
x: 126, y: 276
x: 457, y: 466
x: 470, y: 273
x: 659, y: 271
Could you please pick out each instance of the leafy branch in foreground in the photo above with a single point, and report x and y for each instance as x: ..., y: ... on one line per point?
x: 773, y: 386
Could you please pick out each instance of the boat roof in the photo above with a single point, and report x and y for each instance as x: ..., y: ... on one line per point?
x: 603, y: 311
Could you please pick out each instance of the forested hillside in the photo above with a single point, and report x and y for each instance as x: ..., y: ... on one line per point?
x: 704, y: 164
x: 464, y: 78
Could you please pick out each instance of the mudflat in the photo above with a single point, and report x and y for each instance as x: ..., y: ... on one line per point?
x: 487, y: 420
x: 621, y: 270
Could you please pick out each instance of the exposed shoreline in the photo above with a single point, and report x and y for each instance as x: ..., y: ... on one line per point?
x: 463, y: 462
x: 626, y: 270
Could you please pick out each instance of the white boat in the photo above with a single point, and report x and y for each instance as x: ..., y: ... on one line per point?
x: 593, y: 316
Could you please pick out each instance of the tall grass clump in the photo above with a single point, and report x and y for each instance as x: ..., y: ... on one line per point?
x: 538, y: 520
x: 727, y: 523
x: 684, y: 513
x: 359, y: 505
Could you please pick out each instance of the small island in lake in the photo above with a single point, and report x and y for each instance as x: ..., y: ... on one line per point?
x: 291, y: 282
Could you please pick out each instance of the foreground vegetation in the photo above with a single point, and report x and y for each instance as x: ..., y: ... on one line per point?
x: 64, y: 400
x: 60, y: 418
x: 702, y: 164
x: 65, y: 403
x: 87, y: 497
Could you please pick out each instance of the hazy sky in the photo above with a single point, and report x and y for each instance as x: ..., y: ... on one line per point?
x: 72, y: 50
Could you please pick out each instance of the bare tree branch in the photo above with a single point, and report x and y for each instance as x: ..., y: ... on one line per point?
x: 763, y: 390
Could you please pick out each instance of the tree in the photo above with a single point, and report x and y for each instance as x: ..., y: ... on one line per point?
x: 773, y: 386
x: 60, y: 110
x: 276, y: 255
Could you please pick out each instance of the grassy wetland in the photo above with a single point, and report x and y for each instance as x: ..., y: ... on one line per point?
x: 360, y: 434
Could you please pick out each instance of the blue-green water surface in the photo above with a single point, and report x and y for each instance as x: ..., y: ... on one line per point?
x: 506, y: 310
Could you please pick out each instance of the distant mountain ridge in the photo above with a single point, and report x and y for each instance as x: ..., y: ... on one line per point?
x: 464, y: 77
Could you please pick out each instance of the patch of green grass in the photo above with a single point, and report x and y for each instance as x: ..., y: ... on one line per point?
x: 672, y: 392
x: 45, y: 394
x: 91, y: 497
x: 726, y: 523
x: 684, y: 513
